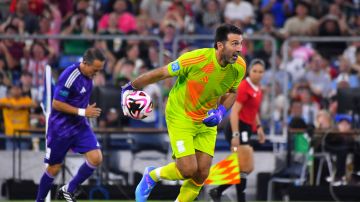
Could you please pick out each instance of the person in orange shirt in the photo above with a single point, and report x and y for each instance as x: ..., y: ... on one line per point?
x: 16, y: 114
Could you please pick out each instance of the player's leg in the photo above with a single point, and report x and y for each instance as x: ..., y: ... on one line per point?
x: 204, y: 143
x: 46, y: 181
x: 245, y: 157
x: 55, y: 154
x: 183, y: 168
x: 87, y: 144
x: 192, y: 186
x: 246, y: 163
x: 181, y: 135
x: 181, y: 140
x: 93, y: 160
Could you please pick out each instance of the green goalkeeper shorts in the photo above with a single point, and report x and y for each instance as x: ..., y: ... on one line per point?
x: 187, y: 136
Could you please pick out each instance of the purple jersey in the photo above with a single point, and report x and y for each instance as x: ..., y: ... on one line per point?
x: 72, y: 88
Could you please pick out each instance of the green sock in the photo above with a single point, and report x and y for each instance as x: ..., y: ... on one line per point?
x: 168, y: 172
x: 189, y: 191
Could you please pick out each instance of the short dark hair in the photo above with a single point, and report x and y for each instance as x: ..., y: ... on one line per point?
x: 303, y: 3
x: 92, y: 54
x: 223, y: 30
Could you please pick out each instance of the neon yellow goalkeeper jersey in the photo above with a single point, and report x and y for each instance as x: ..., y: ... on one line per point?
x: 200, y: 83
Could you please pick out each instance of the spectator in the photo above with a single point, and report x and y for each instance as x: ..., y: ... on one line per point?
x: 126, y: 21
x: 301, y: 24
x: 318, y: 78
x: 15, y: 22
x: 154, y: 10
x: 336, y: 13
x: 324, y: 120
x: 26, y: 80
x: 350, y: 51
x: 181, y: 10
x: 299, y: 54
x: 265, y: 53
x: 65, y: 7
x: 318, y: 8
x: 280, y: 9
x: 296, y: 110
x: 16, y: 114
x: 125, y: 70
x: 356, y: 65
x: 112, y: 29
x: 309, y: 105
x: 23, y: 18
x: 110, y: 58
x: 169, y: 33
x: 11, y: 51
x: 330, y: 26
x: 180, y: 15
x: 36, y: 64
x: 355, y: 26
x: 240, y: 11
x: 210, y: 17
x: 132, y: 54
x: 268, y: 27
x: 50, y: 24
x: 340, y: 145
x: 345, y: 74
x: 99, y: 79
x: 80, y: 23
x: 143, y: 27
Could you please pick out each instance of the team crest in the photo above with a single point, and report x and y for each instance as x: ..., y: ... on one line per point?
x: 175, y: 66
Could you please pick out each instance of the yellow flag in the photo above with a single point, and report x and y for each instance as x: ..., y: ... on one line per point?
x: 225, y: 172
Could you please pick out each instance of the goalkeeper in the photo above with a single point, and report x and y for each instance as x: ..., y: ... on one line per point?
x: 206, y: 85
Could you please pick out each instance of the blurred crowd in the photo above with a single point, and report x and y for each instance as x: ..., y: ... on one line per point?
x: 315, y: 70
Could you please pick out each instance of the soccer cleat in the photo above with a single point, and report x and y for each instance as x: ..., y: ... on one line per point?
x: 145, y: 186
x: 64, y: 194
x: 215, y: 195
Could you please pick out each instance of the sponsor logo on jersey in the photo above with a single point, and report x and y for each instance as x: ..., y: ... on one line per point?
x: 64, y: 93
x: 83, y: 90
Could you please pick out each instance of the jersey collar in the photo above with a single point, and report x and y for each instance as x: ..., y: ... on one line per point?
x: 253, y: 86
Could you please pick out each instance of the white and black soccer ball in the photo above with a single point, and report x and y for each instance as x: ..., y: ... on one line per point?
x: 138, y: 105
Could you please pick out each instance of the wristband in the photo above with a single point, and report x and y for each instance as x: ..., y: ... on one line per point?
x: 235, y: 134
x: 81, y: 112
x: 258, y: 126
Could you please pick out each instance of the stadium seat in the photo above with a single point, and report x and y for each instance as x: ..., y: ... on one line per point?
x: 147, y: 147
x: 294, y: 174
x: 295, y: 170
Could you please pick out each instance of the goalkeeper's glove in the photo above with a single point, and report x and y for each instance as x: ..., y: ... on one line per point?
x: 214, y: 116
x: 125, y: 91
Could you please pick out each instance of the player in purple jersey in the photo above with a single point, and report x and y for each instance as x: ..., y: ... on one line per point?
x: 68, y: 126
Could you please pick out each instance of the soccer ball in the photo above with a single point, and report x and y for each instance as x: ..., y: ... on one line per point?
x: 138, y: 105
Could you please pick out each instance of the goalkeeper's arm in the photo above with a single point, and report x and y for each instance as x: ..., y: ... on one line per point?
x: 227, y: 100
x: 150, y: 77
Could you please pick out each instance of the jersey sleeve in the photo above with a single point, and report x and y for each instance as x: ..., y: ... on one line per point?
x: 62, y: 92
x: 241, y: 71
x: 242, y: 95
x: 181, y: 66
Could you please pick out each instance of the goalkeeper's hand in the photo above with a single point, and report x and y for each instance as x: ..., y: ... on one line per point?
x: 125, y: 91
x: 214, y: 116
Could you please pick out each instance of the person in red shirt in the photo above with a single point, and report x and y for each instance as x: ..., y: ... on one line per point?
x: 244, y: 120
